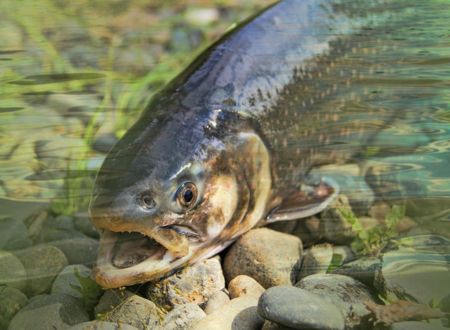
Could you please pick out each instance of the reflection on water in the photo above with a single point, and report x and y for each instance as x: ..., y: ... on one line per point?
x: 73, y: 80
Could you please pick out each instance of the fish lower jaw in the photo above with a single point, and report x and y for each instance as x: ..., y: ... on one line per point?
x: 130, y: 258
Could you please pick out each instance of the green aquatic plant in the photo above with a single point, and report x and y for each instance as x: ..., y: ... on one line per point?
x: 373, y: 240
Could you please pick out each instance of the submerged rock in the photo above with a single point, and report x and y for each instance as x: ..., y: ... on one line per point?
x: 78, y: 250
x: 362, y: 270
x: 102, y: 325
x: 224, y: 318
x: 309, y: 230
x: 299, y: 309
x: 266, y: 255
x: 42, y: 264
x: 137, y: 312
x: 49, y: 312
x: 317, y: 259
x: 345, y: 293
x: 193, y: 284
x: 243, y: 285
x: 12, y: 272
x: 111, y: 299
x: 13, y: 234
x: 75, y: 281
x: 216, y: 301
x: 11, y: 301
x: 182, y: 317
x: 336, y: 228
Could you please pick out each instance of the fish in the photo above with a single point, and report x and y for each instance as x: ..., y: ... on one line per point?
x: 229, y: 144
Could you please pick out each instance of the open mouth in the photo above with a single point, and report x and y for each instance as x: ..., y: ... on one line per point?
x: 130, y: 249
x: 130, y: 257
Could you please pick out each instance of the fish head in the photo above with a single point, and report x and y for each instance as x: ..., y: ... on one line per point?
x: 165, y: 200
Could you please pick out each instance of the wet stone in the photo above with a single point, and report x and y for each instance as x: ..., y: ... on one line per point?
x: 362, y: 270
x: 11, y: 301
x: 78, y: 250
x: 254, y: 255
x: 309, y: 230
x: 216, y: 301
x: 345, y: 254
x: 111, y: 299
x: 345, y: 293
x: 137, y: 312
x: 419, y: 325
x: 59, y: 228
x: 316, y: 260
x: 102, y: 325
x: 13, y: 234
x: 269, y: 325
x: 299, y: 309
x: 104, y: 142
x: 12, y: 272
x: 336, y: 229
x: 49, y: 312
x: 42, y: 264
x: 224, y: 317
x: 193, y: 284
x: 75, y: 281
x: 83, y: 223
x: 182, y: 317
x: 244, y: 285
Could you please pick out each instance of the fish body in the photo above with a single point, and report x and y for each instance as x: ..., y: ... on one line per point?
x: 229, y: 143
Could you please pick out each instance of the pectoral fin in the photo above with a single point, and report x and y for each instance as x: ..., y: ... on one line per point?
x: 313, y: 197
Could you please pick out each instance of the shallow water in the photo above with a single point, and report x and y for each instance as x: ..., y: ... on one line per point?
x: 74, y: 78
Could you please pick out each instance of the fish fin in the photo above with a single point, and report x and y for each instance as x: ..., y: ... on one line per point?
x: 315, y: 195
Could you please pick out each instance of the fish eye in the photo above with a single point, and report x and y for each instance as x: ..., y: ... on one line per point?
x: 187, y: 195
x: 147, y: 201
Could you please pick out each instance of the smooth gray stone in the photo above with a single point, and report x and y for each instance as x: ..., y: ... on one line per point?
x: 345, y: 293
x: 299, y: 309
x: 13, y: 234
x: 49, y: 312
x: 78, y: 250
x: 12, y: 271
x: 11, y: 301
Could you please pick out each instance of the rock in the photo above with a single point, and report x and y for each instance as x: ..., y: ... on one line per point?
x: 379, y: 211
x: 362, y: 270
x: 111, y: 299
x: 309, y: 230
x: 84, y: 224
x: 248, y: 319
x: 137, y: 312
x: 417, y: 325
x: 184, y: 39
x: 336, y: 228
x: 12, y: 272
x: 216, y: 301
x: 201, y: 16
x: 317, y: 259
x: 102, y: 325
x: 420, y: 259
x: 13, y: 234
x: 254, y: 254
x: 269, y: 325
x: 49, y: 312
x: 299, y: 309
x: 405, y: 225
x: 78, y: 250
x: 182, y: 317
x: 59, y: 228
x: 345, y: 254
x: 11, y: 301
x: 345, y: 293
x: 193, y: 284
x: 351, y: 183
x: 42, y: 264
x: 104, y: 142
x: 244, y: 285
x: 76, y: 281
x: 223, y: 318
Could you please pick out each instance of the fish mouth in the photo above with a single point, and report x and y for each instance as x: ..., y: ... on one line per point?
x: 132, y: 257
